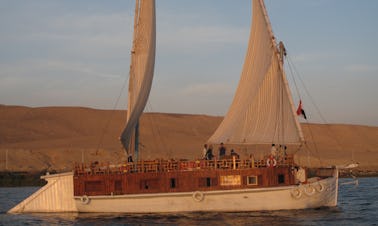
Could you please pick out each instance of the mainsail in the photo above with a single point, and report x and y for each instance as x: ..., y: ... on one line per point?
x: 262, y: 111
x: 141, y: 67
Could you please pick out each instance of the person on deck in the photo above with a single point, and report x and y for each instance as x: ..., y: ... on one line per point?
x: 204, y: 151
x: 233, y: 153
x: 222, y: 151
x: 209, y: 153
x: 273, y: 151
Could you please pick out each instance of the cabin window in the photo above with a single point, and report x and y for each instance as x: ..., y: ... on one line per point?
x: 94, y: 186
x: 281, y: 178
x: 118, y: 185
x: 252, y: 180
x: 173, y: 182
x: 208, y: 182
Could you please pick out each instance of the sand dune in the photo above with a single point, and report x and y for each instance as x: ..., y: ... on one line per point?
x: 57, y: 137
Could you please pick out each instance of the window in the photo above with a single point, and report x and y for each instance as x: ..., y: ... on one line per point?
x: 281, y: 178
x: 118, y: 185
x: 94, y: 186
x: 252, y: 180
x: 208, y: 182
x: 173, y: 182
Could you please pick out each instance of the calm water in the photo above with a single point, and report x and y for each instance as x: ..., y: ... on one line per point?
x: 357, y: 206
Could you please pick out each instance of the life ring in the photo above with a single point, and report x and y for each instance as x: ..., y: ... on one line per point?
x: 271, y: 162
x: 198, y: 196
x: 309, y: 190
x: 296, y: 193
x: 84, y: 199
x: 319, y: 187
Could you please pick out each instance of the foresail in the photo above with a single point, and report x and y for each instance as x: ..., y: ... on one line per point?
x: 142, y: 65
x: 262, y: 111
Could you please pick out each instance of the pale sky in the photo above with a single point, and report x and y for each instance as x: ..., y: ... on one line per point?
x: 77, y: 53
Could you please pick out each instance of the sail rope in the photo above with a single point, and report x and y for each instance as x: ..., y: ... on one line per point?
x: 294, y: 71
x: 111, y: 115
x: 157, y: 136
x: 130, y: 12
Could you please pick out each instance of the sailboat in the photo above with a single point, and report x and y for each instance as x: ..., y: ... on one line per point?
x: 261, y: 114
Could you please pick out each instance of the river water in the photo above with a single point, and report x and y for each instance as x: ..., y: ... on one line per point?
x: 357, y: 206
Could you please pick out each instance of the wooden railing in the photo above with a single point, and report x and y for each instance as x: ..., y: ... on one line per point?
x: 180, y: 165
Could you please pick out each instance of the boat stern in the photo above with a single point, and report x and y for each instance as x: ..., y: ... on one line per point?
x: 55, y: 196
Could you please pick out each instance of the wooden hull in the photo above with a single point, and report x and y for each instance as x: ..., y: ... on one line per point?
x: 54, y: 197
x: 278, y: 198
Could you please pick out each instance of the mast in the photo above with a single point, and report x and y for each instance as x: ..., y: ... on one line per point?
x: 136, y: 142
x: 141, y: 72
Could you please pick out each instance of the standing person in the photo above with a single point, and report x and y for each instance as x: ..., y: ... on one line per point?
x: 209, y: 153
x: 222, y: 151
x: 204, y: 151
x: 273, y: 150
x: 233, y: 153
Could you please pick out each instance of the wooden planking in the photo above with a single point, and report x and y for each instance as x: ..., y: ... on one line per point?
x: 183, y: 181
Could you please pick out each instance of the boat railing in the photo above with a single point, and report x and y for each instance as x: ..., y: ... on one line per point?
x: 171, y: 165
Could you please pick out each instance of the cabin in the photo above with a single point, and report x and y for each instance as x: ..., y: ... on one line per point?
x: 162, y: 176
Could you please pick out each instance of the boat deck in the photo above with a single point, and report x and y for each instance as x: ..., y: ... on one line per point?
x: 171, y: 165
x: 158, y: 176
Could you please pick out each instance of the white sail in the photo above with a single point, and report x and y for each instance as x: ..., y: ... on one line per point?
x: 262, y: 111
x: 142, y: 65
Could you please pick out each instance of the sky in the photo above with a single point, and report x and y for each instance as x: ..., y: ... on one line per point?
x: 77, y: 53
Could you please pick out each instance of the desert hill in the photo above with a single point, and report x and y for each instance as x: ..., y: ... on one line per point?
x: 54, y: 138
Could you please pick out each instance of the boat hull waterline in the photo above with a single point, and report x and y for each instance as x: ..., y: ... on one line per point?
x: 321, y: 193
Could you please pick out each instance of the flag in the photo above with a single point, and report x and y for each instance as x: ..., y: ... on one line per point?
x: 300, y: 110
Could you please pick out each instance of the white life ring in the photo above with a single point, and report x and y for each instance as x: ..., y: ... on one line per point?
x: 296, y: 193
x: 309, y: 190
x: 85, y: 199
x: 271, y: 162
x: 319, y: 187
x: 198, y: 196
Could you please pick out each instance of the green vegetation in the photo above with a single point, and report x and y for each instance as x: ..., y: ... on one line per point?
x: 17, y: 179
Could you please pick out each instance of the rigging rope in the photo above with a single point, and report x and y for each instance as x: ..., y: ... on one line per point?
x: 290, y: 64
x: 294, y: 71
x: 130, y: 12
x: 111, y: 115
x: 155, y: 128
